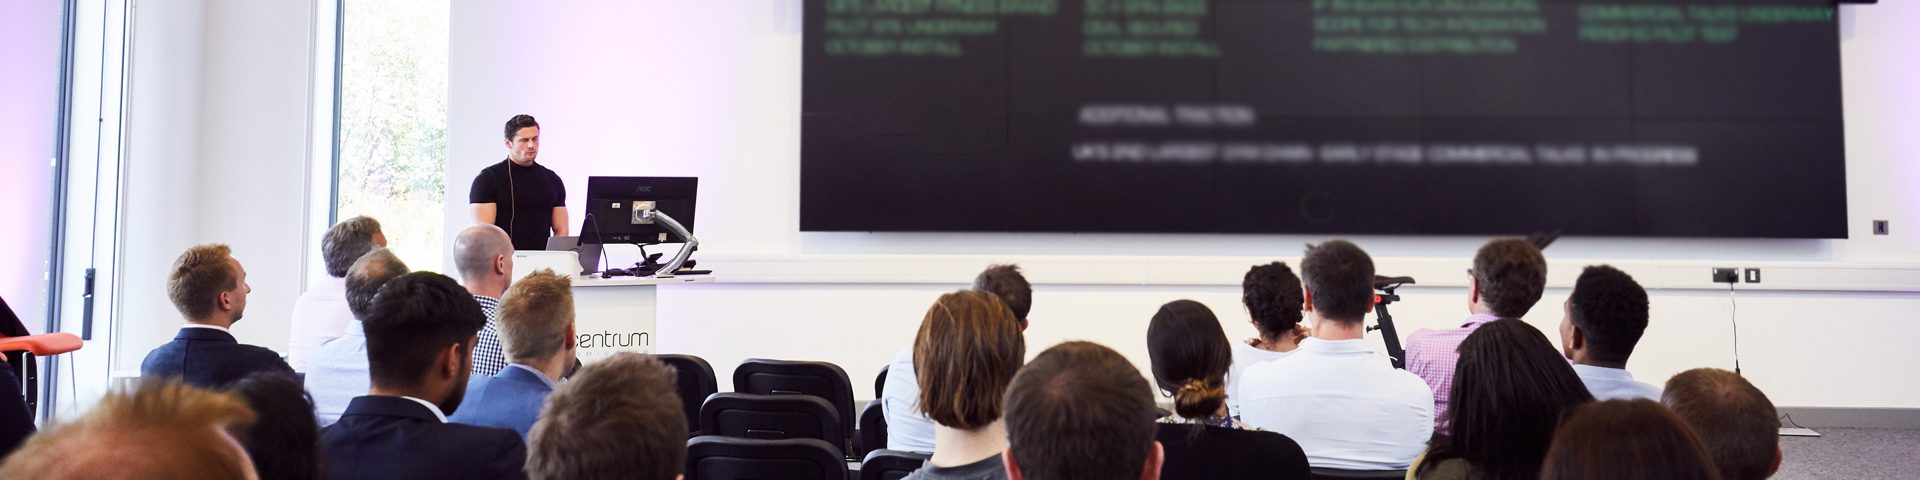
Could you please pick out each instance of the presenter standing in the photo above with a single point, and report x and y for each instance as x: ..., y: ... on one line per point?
x: 518, y: 195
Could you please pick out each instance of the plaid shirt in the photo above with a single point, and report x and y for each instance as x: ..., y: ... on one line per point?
x: 488, y: 357
x: 1431, y: 355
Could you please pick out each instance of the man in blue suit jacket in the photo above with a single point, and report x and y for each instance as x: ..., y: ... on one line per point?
x: 537, y: 320
x: 210, y: 289
x: 420, y: 336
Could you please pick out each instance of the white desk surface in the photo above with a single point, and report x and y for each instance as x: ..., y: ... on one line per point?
x: 596, y: 281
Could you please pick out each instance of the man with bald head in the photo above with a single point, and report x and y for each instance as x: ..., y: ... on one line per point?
x: 484, y: 256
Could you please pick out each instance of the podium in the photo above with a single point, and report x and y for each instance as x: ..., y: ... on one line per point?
x: 618, y: 314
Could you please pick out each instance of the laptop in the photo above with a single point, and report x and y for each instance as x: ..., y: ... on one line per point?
x: 589, y: 253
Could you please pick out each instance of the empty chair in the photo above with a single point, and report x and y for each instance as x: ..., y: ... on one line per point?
x: 771, y: 417
x: 695, y: 379
x: 873, y: 429
x: 726, y: 458
x: 1338, y: 474
x: 820, y: 379
x: 886, y: 464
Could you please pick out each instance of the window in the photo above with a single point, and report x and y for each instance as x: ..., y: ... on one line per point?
x: 391, y: 132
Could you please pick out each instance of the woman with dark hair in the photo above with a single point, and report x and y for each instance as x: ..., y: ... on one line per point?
x: 1273, y: 298
x: 285, y: 441
x: 1190, y: 356
x: 1511, y: 389
x: 1627, y: 440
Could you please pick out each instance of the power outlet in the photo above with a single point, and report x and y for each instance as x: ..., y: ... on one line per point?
x: 1879, y: 227
x: 1726, y: 275
x: 1753, y: 275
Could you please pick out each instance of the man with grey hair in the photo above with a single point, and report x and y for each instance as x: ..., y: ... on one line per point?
x: 484, y: 256
x: 321, y: 315
x: 339, y: 371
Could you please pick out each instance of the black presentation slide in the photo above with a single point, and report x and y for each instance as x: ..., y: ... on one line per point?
x: 1450, y: 117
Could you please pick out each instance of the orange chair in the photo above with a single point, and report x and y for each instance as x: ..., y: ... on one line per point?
x: 28, y: 371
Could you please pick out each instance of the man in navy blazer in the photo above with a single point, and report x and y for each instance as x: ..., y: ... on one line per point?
x: 420, y: 337
x: 210, y: 288
x: 536, y: 319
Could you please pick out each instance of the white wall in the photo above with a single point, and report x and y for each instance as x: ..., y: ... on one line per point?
x: 711, y: 89
x: 29, y: 93
x: 217, y: 154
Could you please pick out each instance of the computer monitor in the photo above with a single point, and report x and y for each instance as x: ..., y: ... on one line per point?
x: 615, y: 206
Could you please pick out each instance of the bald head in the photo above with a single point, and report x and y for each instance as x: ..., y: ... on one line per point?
x: 484, y: 256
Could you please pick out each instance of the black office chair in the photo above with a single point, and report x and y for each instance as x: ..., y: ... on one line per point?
x: 819, y: 379
x: 726, y: 458
x: 772, y: 417
x: 1320, y: 473
x: 695, y: 380
x: 880, y: 382
x: 890, y: 464
x: 873, y: 429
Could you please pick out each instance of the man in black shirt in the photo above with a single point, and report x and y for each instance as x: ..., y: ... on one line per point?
x: 520, y: 196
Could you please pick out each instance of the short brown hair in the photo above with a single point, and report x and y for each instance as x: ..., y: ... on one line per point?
x: 535, y: 314
x: 199, y: 276
x: 617, y: 418
x: 967, y: 351
x: 162, y: 429
x: 1512, y: 275
x: 1080, y: 410
x: 1734, y: 419
x: 1006, y: 282
x: 1339, y: 276
x: 1636, y: 439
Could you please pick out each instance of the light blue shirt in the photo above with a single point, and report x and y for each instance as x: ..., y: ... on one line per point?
x: 338, y: 372
x: 1614, y: 384
x: 908, y: 429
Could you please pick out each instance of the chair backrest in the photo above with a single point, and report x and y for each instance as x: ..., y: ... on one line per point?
x: 772, y: 417
x: 726, y: 458
x: 1338, y: 474
x: 695, y: 379
x: 873, y: 428
x: 890, y: 464
x: 819, y: 379
x: 880, y: 382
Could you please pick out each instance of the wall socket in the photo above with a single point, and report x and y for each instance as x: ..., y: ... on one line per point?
x: 1726, y: 275
x: 1879, y: 227
x: 1753, y: 275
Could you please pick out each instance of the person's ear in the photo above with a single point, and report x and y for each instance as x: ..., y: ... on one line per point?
x: 1155, y: 457
x: 1579, y: 340
x: 450, y: 362
x: 224, y: 302
x: 500, y: 264
x: 1306, y: 297
x: 571, y: 340
x: 1778, y: 455
x: 1013, y: 469
x: 1473, y: 290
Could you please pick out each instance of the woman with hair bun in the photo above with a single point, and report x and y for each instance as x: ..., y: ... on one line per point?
x: 1191, y: 355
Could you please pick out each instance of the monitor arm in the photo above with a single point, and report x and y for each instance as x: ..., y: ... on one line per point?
x: 666, y: 271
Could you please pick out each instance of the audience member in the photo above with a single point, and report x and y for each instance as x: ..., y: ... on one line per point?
x: 536, y: 322
x: 908, y: 428
x: 1735, y: 421
x: 1346, y: 406
x: 161, y: 430
x: 1080, y: 411
x: 1190, y: 356
x: 209, y: 287
x: 1507, y: 278
x: 1633, y: 439
x: 339, y: 372
x: 484, y: 256
x: 1510, y: 391
x: 1605, y: 317
x: 1273, y: 299
x: 967, y: 351
x: 617, y: 418
x: 420, y: 335
x: 321, y: 315
x: 285, y: 442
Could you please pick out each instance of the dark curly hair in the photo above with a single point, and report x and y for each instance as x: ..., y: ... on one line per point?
x: 1272, y: 295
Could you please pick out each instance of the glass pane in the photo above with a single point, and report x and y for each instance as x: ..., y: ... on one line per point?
x: 393, y: 122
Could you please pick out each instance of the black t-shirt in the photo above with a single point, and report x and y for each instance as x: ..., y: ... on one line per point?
x: 1216, y: 453
x: 524, y: 198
